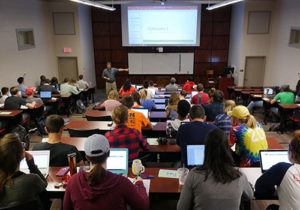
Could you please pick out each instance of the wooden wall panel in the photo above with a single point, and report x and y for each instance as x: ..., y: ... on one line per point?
x: 211, y: 54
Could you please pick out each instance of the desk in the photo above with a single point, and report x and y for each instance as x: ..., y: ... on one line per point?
x: 158, y: 116
x: 160, y: 187
x: 12, y: 114
x: 96, y: 113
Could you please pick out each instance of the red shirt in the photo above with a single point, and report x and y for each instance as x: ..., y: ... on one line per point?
x: 128, y: 92
x: 204, y: 98
x: 188, y: 87
x: 124, y: 137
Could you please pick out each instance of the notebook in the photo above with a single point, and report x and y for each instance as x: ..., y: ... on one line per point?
x: 41, y: 159
x: 195, y: 155
x: 117, y: 162
x: 46, y: 94
x: 269, y: 158
x: 143, y: 111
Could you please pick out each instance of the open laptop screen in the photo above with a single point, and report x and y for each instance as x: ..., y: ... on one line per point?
x: 143, y: 111
x: 195, y: 155
x: 45, y: 94
x: 271, y: 92
x: 117, y: 160
x: 272, y: 157
x: 41, y: 159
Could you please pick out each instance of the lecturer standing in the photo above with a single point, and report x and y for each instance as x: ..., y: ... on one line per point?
x: 109, y: 74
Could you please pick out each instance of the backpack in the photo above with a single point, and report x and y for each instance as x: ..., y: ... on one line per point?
x: 41, y: 126
x: 21, y: 132
x: 80, y: 107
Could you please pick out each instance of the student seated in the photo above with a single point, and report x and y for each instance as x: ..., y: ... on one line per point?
x: 286, y: 96
x: 182, y: 95
x: 284, y: 177
x: 124, y: 137
x: 54, y: 83
x: 42, y: 79
x: 151, y: 90
x: 15, y: 101
x: 223, y: 121
x: 216, y: 106
x: 136, y: 100
x: 135, y: 119
x: 146, y: 103
x: 217, y: 184
x: 171, y: 109
x: 101, y: 189
x: 30, y: 98
x: 127, y: 88
x: 82, y: 84
x: 16, y: 187
x: 172, y: 86
x: 111, y: 102
x: 5, y: 94
x: 58, y: 151
x: 298, y: 92
x: 194, y: 132
x: 22, y: 87
x: 248, y: 135
x: 67, y: 88
x: 47, y: 87
x: 201, y: 97
x: 211, y: 94
x: 183, y: 109
x: 189, y: 85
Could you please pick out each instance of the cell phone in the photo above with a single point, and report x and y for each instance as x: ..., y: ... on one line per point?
x: 63, y: 171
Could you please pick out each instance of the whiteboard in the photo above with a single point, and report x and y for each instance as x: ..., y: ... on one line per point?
x: 161, y: 63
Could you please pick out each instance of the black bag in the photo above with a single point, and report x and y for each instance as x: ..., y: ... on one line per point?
x: 80, y: 107
x: 41, y: 126
x: 21, y: 132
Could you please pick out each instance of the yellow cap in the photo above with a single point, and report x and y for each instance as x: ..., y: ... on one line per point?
x: 240, y: 112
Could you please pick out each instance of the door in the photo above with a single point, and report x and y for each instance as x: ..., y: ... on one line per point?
x: 67, y: 68
x: 254, y: 71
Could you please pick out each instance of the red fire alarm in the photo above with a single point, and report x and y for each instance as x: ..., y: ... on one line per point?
x: 67, y: 50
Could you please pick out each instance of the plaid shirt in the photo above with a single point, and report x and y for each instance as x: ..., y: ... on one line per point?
x: 124, y: 137
x: 222, y: 121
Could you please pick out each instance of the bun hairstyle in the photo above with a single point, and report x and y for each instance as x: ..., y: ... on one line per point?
x: 294, y: 146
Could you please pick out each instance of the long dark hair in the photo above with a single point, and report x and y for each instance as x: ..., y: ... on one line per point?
x: 127, y: 85
x: 97, y: 174
x: 218, y: 160
x: 298, y: 87
x: 11, y: 154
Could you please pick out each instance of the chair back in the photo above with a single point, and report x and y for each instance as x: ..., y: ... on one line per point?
x: 84, y: 133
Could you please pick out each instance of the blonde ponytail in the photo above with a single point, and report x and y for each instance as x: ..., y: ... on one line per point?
x: 251, y: 122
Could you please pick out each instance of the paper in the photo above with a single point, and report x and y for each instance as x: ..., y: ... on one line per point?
x: 146, y: 184
x: 5, y: 113
x: 265, y: 99
x: 154, y: 123
x: 45, y: 140
x: 257, y: 95
x: 24, y: 107
x: 152, y: 141
x: 168, y: 174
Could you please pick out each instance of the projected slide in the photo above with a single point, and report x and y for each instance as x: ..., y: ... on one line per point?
x: 162, y: 25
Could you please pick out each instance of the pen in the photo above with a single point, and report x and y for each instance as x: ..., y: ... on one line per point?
x: 138, y: 174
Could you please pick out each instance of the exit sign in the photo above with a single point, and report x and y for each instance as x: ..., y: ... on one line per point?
x: 67, y: 50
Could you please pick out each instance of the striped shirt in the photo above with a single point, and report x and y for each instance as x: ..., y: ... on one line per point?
x: 222, y: 121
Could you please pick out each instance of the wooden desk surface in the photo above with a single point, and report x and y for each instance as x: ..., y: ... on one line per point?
x: 157, y: 184
x: 96, y: 113
x: 79, y: 144
x: 252, y: 92
x: 103, y: 125
x: 290, y: 106
x: 12, y: 113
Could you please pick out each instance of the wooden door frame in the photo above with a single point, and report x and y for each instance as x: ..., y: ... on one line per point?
x: 245, y: 70
x: 58, y: 57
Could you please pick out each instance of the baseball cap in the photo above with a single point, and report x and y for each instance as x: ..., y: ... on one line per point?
x: 173, y: 80
x: 240, y: 112
x: 96, y: 145
x: 29, y: 91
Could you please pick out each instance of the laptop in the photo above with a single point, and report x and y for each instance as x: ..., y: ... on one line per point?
x: 143, y: 111
x: 271, y: 92
x: 117, y: 162
x: 269, y: 158
x: 194, y: 93
x: 45, y: 94
x: 195, y: 155
x: 41, y: 159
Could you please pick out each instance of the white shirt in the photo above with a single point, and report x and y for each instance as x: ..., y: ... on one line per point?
x: 150, y: 93
x: 3, y: 98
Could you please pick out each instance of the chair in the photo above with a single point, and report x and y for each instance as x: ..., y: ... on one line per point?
x: 295, y: 117
x: 84, y: 133
x: 211, y: 80
x: 103, y: 118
